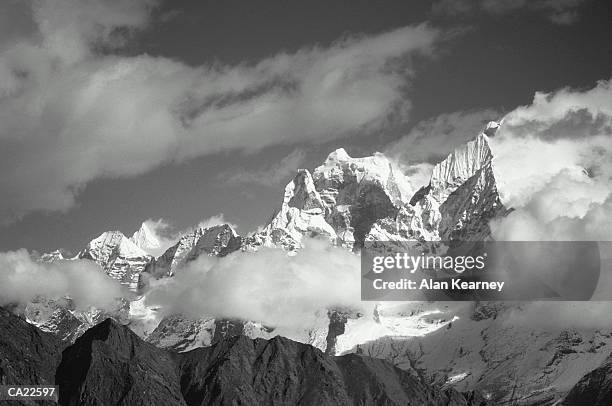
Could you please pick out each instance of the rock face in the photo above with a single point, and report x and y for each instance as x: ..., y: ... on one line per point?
x: 110, y: 365
x: 351, y: 200
x: 56, y: 316
x: 459, y: 201
x: 61, y: 318
x: 53, y: 256
x: 283, y: 372
x: 594, y: 389
x: 28, y: 356
x: 214, y: 241
x: 118, y: 256
x: 510, y: 362
x: 181, y: 334
x: 340, y: 201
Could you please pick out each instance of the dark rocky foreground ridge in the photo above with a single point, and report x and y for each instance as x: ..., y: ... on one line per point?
x: 110, y: 365
x: 595, y: 388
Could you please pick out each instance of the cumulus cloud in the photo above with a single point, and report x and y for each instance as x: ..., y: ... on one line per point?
x: 266, y: 286
x: 552, y: 160
x: 433, y: 139
x: 562, y: 12
x: 23, y: 280
x: 72, y: 109
x: 272, y: 175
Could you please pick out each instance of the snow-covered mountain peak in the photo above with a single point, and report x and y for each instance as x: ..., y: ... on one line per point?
x: 491, y: 128
x: 338, y: 155
x: 114, y: 243
x: 339, y: 201
x: 460, y: 165
x: 120, y: 258
x: 301, y: 192
x: 218, y: 240
x: 56, y: 255
x: 146, y: 239
x: 339, y: 168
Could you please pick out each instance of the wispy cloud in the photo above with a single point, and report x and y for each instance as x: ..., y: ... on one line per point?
x: 433, y: 139
x: 271, y: 175
x: 562, y: 12
x: 73, y: 110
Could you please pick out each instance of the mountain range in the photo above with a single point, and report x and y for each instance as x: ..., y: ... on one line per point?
x: 432, y: 351
x: 110, y: 365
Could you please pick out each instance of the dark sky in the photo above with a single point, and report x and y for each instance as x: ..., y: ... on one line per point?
x: 486, y: 60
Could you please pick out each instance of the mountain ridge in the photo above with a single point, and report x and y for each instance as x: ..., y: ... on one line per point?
x: 110, y: 365
x: 348, y: 202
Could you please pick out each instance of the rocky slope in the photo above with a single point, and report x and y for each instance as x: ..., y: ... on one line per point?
x: 487, y: 348
x: 284, y: 372
x: 594, y: 389
x: 118, y: 256
x: 457, y: 204
x: 215, y: 241
x: 110, y: 365
x: 340, y: 201
x: 181, y: 334
x: 27, y: 354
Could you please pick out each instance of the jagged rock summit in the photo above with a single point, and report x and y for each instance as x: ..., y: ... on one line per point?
x: 146, y: 239
x: 118, y: 256
x: 352, y: 200
x: 218, y: 240
x: 461, y: 197
x: 339, y: 201
x: 110, y: 365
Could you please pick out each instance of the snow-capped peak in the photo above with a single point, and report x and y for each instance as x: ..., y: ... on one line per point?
x: 115, y: 242
x: 146, y: 239
x: 120, y: 258
x: 338, y: 155
x: 491, y: 128
x: 461, y: 164
x: 340, y: 168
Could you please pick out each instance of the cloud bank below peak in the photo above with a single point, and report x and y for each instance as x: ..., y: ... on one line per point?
x: 70, y: 114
